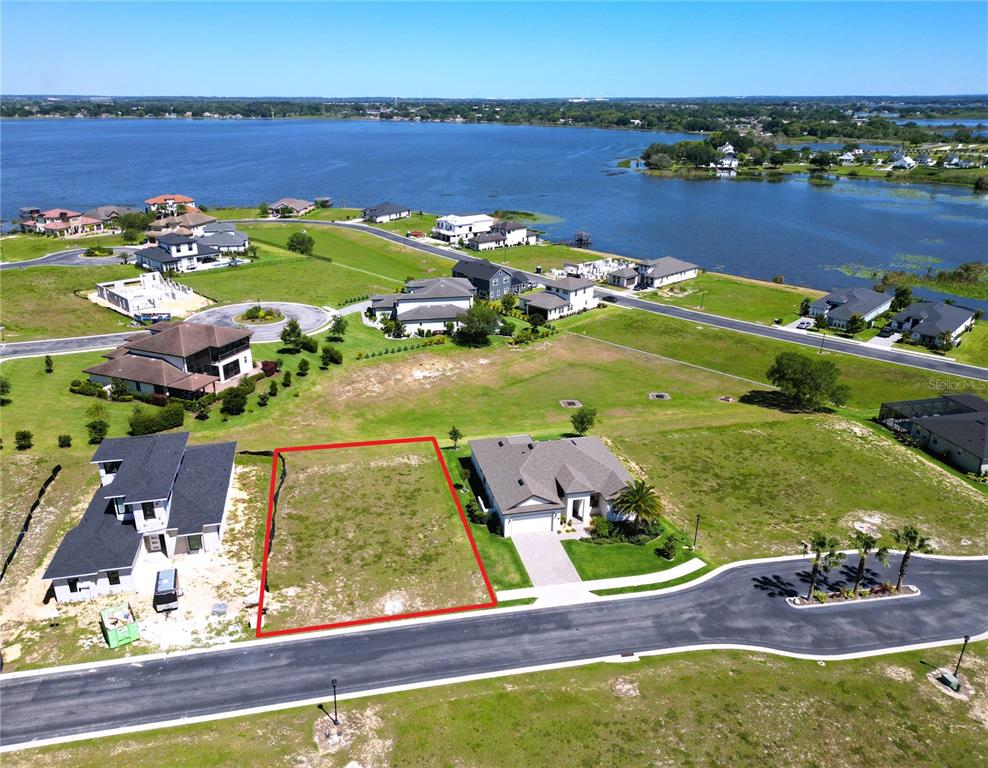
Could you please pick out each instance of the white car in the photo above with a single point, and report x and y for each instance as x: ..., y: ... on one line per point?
x: 804, y: 324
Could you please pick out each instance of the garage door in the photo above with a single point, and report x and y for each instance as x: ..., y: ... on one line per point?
x: 519, y: 524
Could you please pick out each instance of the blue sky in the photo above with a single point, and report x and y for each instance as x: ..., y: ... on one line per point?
x: 506, y: 50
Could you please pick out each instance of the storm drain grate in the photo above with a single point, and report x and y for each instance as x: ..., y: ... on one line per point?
x: 570, y: 403
x: 659, y: 396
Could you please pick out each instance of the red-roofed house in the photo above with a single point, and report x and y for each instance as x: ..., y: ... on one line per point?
x: 61, y: 222
x: 164, y: 205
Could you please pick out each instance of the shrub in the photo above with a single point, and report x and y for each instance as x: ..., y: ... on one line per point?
x: 144, y: 422
x: 119, y: 391
x: 301, y: 242
x: 303, y: 367
x: 262, y: 399
x: 234, y: 402
x: 584, y: 419
x: 49, y: 364
x: 474, y: 513
x: 75, y: 383
x: 65, y: 441
x: 308, y: 344
x: 97, y: 429
x: 286, y: 380
x: 820, y: 596
x: 666, y: 548
x: 331, y: 356
x: 601, y: 527
x: 273, y: 389
x: 202, y: 409
x: 23, y: 439
x: 269, y: 367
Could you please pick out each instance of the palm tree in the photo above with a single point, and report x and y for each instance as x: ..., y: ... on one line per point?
x: 825, y: 557
x: 909, y: 540
x: 639, y: 500
x: 865, y: 543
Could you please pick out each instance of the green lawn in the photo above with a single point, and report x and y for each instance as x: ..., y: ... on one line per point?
x: 753, y: 300
x: 234, y: 213
x: 501, y: 560
x: 334, y: 214
x: 366, y: 532
x: 40, y: 303
x: 25, y: 247
x: 707, y: 708
x: 974, y: 346
x: 606, y: 561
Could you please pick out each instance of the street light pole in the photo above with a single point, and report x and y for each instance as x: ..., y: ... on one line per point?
x: 696, y: 531
x: 967, y: 638
x: 336, y: 717
x: 823, y: 337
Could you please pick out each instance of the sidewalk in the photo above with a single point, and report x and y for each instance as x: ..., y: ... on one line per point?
x: 575, y: 592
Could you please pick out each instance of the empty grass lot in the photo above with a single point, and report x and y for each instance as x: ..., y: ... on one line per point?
x: 704, y: 709
x: 40, y: 303
x: 26, y: 247
x: 974, y: 346
x: 365, y: 532
x: 753, y: 300
x: 547, y: 256
x: 417, y: 222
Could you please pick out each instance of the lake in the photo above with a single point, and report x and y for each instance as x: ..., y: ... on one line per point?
x: 810, y: 235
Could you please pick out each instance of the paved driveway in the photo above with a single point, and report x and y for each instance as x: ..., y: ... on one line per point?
x: 545, y: 559
x: 73, y: 257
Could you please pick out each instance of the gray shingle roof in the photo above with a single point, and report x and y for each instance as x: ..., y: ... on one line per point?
x: 490, y: 237
x: 509, y: 226
x: 225, y: 239
x: 572, y: 283
x: 173, y: 238
x: 843, y: 304
x: 479, y: 269
x: 201, y: 487
x: 666, y: 266
x: 148, y: 466
x: 385, y: 209
x: 441, y: 288
x: 624, y: 272
x: 99, y: 542
x: 518, y: 469
x: 965, y: 430
x: 428, y: 312
x: 930, y: 318
x: 545, y: 300
x: 296, y: 204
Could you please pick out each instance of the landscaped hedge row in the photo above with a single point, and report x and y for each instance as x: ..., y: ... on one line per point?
x: 144, y: 422
x: 429, y: 341
x: 354, y: 299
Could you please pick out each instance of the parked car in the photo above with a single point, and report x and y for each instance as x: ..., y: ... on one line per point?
x: 611, y: 299
x: 166, y: 591
x: 887, y: 331
x: 804, y: 324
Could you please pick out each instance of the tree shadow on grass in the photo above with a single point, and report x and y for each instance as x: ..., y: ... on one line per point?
x: 777, y: 402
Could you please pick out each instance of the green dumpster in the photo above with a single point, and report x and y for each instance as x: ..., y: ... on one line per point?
x: 119, y: 625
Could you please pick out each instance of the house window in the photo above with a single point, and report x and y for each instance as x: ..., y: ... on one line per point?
x: 73, y: 585
x: 147, y: 509
x: 195, y: 542
x: 113, y: 577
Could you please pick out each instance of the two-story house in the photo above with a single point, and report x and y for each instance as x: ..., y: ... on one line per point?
x: 534, y: 487
x: 169, y: 204
x: 462, y: 229
x: 426, y: 305
x: 185, y: 360
x: 175, y: 252
x: 59, y: 222
x: 656, y: 273
x: 158, y: 498
x: 560, y: 298
x: 491, y: 281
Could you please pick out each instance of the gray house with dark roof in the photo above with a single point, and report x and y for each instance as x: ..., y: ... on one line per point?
x: 384, y: 212
x: 533, y: 487
x: 655, y: 273
x: 158, y: 498
x: 952, y: 427
x: 840, y: 306
x: 492, y: 281
x: 426, y: 305
x: 928, y: 322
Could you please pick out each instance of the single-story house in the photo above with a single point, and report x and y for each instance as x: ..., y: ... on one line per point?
x: 108, y: 214
x: 184, y: 360
x: 655, y: 273
x: 560, y: 298
x: 625, y: 277
x: 487, y: 241
x: 426, y: 305
x: 840, y: 306
x: 952, y: 427
x: 457, y: 229
x: 288, y: 207
x: 491, y: 281
x: 904, y: 163
x: 176, y: 252
x: 927, y: 322
x: 384, y: 212
x: 534, y: 487
x: 158, y: 497
x: 167, y: 204
x: 223, y: 236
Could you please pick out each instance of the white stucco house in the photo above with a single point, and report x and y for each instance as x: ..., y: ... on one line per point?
x: 426, y: 305
x: 655, y: 273
x: 560, y: 298
x: 163, y: 205
x: 534, y: 487
x: 176, y: 252
x: 461, y: 229
x: 158, y: 498
x: 385, y: 212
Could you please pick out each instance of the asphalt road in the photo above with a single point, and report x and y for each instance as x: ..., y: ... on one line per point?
x: 65, y: 346
x: 309, y: 317
x: 73, y: 257
x: 831, y: 343
x: 744, y: 605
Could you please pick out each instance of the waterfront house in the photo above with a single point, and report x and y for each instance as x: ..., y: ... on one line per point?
x: 952, y: 427
x: 224, y: 237
x: 534, y: 487
x: 59, y: 222
x: 460, y: 229
x: 291, y: 207
x: 491, y: 281
x: 624, y: 277
x: 930, y: 322
x: 655, y: 273
x: 109, y: 214
x: 158, y: 497
x: 905, y: 163
x: 169, y: 204
x: 385, y: 212
x: 560, y: 298
x: 426, y: 305
x: 839, y: 307
x: 190, y: 222
x: 175, y: 252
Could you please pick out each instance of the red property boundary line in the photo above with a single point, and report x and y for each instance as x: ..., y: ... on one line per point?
x: 373, y: 620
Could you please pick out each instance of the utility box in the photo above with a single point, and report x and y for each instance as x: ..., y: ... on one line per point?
x: 119, y: 625
x: 950, y: 680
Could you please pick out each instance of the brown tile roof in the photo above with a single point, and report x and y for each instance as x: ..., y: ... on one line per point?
x: 159, y: 199
x: 184, y: 339
x: 150, y: 370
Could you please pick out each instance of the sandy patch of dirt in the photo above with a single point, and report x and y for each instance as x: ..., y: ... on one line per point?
x: 899, y: 674
x: 413, y: 373
x: 356, y: 737
x: 624, y: 688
